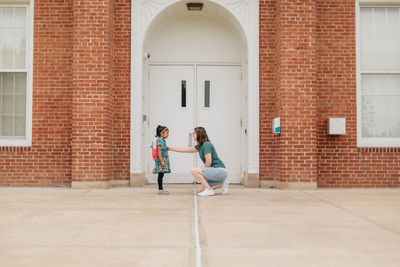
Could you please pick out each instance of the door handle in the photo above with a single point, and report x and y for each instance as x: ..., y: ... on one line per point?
x: 190, y: 140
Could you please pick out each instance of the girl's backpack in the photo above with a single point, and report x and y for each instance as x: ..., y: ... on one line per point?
x: 154, y: 150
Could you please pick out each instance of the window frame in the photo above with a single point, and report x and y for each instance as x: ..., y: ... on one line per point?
x: 27, y: 141
x: 369, y: 141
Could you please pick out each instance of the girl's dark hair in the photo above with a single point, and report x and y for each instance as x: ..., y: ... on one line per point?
x: 201, y: 135
x: 160, y: 129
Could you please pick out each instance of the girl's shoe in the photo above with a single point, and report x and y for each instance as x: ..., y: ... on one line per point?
x: 206, y: 192
x: 163, y: 192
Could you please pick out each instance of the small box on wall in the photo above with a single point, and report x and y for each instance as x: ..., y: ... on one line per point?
x: 337, y: 126
x: 276, y: 125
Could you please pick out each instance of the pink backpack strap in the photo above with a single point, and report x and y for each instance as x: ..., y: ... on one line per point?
x: 154, y: 150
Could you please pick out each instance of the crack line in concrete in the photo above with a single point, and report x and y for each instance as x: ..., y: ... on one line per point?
x: 352, y: 213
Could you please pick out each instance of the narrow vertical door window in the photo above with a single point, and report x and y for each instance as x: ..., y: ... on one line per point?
x: 206, y: 94
x: 183, y: 93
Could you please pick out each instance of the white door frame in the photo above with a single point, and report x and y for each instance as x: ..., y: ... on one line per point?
x: 143, y: 12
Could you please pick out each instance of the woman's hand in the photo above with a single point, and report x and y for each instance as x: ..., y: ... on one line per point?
x: 163, y: 163
x: 183, y: 149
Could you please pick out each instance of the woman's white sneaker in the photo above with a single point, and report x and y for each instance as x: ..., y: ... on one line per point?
x: 225, y: 187
x: 206, y: 192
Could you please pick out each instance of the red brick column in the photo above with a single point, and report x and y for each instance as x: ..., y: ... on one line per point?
x: 296, y: 93
x: 267, y: 91
x: 122, y: 92
x: 92, y: 103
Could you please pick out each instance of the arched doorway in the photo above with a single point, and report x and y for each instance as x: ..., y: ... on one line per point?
x: 194, y: 69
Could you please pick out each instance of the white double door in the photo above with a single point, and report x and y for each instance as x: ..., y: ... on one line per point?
x: 187, y: 96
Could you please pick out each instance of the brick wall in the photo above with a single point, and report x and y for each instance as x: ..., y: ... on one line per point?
x: 295, y: 87
x: 48, y: 161
x: 122, y: 33
x: 81, y: 97
x: 340, y: 162
x: 314, y: 79
x: 267, y: 89
x: 92, y: 86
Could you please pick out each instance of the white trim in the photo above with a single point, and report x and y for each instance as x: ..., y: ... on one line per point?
x: 29, y: 73
x: 246, y: 13
x: 136, y: 92
x: 378, y: 142
x: 14, y: 70
x: 364, y: 141
x: 13, y: 2
x: 29, y: 93
x: 378, y: 3
x: 253, y: 154
x: 379, y: 72
x: 358, y: 75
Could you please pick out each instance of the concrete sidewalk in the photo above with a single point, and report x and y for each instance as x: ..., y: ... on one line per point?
x: 248, y: 227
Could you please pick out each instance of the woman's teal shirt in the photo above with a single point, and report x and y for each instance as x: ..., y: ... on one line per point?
x: 208, y: 147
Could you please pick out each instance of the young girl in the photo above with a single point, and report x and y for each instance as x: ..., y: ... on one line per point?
x: 162, y: 161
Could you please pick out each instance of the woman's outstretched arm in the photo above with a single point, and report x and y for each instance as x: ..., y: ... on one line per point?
x: 183, y: 149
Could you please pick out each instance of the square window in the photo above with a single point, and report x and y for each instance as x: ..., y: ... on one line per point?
x: 379, y: 84
x: 15, y: 118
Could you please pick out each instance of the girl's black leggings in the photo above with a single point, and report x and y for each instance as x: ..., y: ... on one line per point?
x: 160, y: 178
